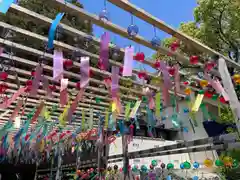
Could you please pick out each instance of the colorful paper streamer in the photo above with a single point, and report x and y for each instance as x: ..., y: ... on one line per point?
x: 57, y: 65
x: 104, y: 50
x: 84, y: 69
x: 197, y: 102
x: 128, y: 61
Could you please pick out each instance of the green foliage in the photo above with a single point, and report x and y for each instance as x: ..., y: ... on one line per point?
x: 226, y: 116
x: 48, y: 10
x: 217, y: 24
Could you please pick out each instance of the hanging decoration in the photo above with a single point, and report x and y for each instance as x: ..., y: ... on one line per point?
x: 103, y: 62
x: 128, y: 61
x: 64, y: 92
x: 132, y: 29
x: 51, y: 33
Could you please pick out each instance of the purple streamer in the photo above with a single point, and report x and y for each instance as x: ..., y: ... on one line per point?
x: 36, y: 80
x: 104, y: 54
x: 166, y: 77
x: 84, y: 69
x: 128, y: 61
x: 57, y: 65
x: 115, y: 81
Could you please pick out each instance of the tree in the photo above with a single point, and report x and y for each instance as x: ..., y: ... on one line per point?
x: 217, y: 24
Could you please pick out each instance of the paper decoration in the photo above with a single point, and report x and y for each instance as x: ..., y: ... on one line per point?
x: 63, y: 92
x: 177, y: 78
x: 57, y: 65
x: 127, y: 110
x: 51, y: 33
x: 84, y: 69
x: 135, y: 109
x: 17, y: 122
x: 157, y: 104
x: 62, y: 117
x: 197, y: 102
x: 106, y: 119
x: 104, y: 54
x: 36, y: 80
x: 128, y: 61
x: 5, y: 5
x: 227, y: 83
x: 38, y: 111
x: 115, y: 81
x: 16, y: 110
x: 83, y: 121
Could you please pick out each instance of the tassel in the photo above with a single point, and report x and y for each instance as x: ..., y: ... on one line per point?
x: 127, y: 111
x: 157, y: 104
x: 83, y: 121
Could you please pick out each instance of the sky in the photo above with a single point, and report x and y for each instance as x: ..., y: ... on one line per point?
x: 172, y: 12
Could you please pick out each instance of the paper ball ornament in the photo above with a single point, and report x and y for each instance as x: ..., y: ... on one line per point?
x: 144, y: 168
x: 163, y: 166
x: 171, y: 71
x: 227, y: 159
x: 194, y: 59
x: 195, y: 178
x: 151, y: 166
x: 208, y: 162
x: 142, y: 75
x: 157, y: 64
x: 132, y: 30
x: 219, y: 163
x: 170, y: 166
x: 156, y: 42
x: 3, y: 76
x: 104, y: 15
x: 187, y: 165
x: 154, y: 163
x: 187, y: 91
x: 140, y: 56
x: 135, y: 168
x: 181, y: 166
x: 203, y: 83
x: 196, y: 165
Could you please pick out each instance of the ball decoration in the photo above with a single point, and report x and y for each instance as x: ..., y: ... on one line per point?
x: 140, y: 56
x: 203, y: 83
x: 208, y: 162
x: 132, y: 30
x: 151, y: 166
x: 163, y: 166
x: 171, y: 71
x: 219, y: 163
x: 187, y: 165
x: 195, y: 178
x: 170, y: 166
x: 187, y: 91
x: 157, y: 64
x: 104, y: 15
x: 156, y: 42
x: 154, y: 163
x: 194, y: 60
x: 227, y: 159
x: 196, y: 165
x: 144, y: 168
x: 3, y: 76
x: 135, y: 168
x: 182, y: 166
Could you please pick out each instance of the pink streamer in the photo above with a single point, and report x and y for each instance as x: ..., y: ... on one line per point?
x: 8, y: 102
x: 84, y: 69
x: 74, y: 104
x: 104, y: 54
x: 128, y: 61
x: 57, y: 65
x: 217, y: 86
x: 166, y: 77
x: 36, y: 80
x: 63, y: 92
x: 115, y: 81
x: 16, y: 110
x: 177, y: 78
x: 46, y: 86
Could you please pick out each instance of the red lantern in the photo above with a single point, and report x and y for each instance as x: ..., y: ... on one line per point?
x: 52, y: 87
x: 186, y: 83
x: 194, y: 59
x: 33, y: 73
x: 90, y: 73
x: 3, y: 76
x: 209, y: 66
x: 121, y: 70
x: 208, y: 94
x: 78, y: 85
x: 174, y: 46
x: 3, y: 88
x: 222, y: 100
x: 157, y: 64
x: 139, y: 57
x: 171, y: 71
x: 142, y: 75
x: 68, y: 63
x: 28, y: 85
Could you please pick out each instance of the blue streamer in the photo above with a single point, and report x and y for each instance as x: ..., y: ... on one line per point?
x: 136, y: 122
x: 51, y: 33
x: 5, y: 5
x: 121, y: 126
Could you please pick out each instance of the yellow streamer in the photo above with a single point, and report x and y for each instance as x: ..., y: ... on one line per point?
x: 83, y: 121
x: 135, y: 109
x: 197, y: 102
x: 114, y: 106
x: 157, y: 104
x: 63, y: 116
x: 41, y: 146
x: 106, y: 119
x: 127, y: 111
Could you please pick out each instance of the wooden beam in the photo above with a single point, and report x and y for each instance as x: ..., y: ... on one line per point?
x: 140, y: 13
